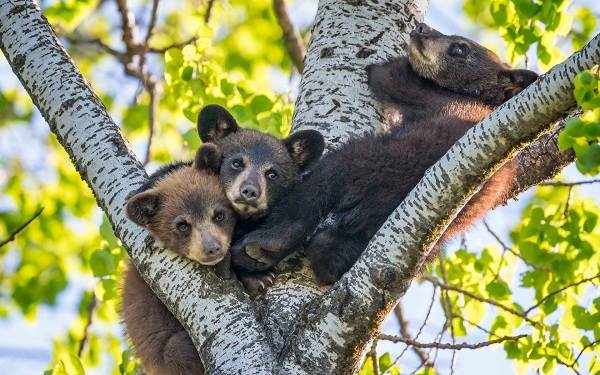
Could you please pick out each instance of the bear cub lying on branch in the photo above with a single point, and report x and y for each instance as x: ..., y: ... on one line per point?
x: 446, y: 85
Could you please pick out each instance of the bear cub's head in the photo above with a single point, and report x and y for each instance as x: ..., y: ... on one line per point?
x: 256, y: 167
x: 186, y: 210
x: 462, y: 65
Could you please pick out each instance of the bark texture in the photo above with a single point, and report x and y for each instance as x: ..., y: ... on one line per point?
x: 347, y: 316
x: 217, y: 313
x: 296, y: 327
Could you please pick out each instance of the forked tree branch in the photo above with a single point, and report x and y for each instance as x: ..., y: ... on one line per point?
x: 217, y: 313
x: 357, y: 303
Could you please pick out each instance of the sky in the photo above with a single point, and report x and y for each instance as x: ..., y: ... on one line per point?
x: 26, y: 346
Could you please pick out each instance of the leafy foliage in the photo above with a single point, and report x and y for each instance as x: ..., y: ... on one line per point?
x: 582, y: 134
x: 541, y: 23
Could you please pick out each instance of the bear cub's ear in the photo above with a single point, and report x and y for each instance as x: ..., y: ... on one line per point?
x: 215, y: 123
x: 305, y: 147
x: 142, y: 207
x: 208, y: 158
x: 515, y: 80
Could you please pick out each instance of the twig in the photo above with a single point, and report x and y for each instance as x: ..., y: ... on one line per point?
x: 449, y: 346
x: 568, y: 184
x: 373, y: 355
x: 153, y: 90
x: 420, y: 331
x: 209, y: 7
x: 568, y: 203
x: 447, y: 304
x: 583, y: 350
x: 21, y: 227
x: 404, y: 331
x: 174, y: 45
x: 91, y: 308
x: 506, y: 247
x: 552, y: 294
x: 128, y: 26
x: 291, y: 38
x: 95, y: 42
x: 474, y: 296
x: 149, y: 32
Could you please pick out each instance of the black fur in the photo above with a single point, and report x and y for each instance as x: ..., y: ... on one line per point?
x: 350, y: 193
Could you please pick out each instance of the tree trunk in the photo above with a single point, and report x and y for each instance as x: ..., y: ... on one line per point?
x: 295, y: 327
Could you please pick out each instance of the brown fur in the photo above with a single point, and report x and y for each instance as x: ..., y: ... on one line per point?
x: 187, y: 197
x: 352, y: 191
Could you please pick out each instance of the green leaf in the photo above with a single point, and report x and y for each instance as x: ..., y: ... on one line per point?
x: 261, y: 103
x: 498, y: 289
x: 187, y: 73
x: 102, y: 263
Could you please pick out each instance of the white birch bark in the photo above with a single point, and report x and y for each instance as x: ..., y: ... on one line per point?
x: 296, y: 327
x: 219, y: 316
x: 347, y: 317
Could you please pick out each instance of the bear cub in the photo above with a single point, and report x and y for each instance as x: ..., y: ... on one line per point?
x: 256, y: 170
x: 187, y: 212
x: 446, y: 85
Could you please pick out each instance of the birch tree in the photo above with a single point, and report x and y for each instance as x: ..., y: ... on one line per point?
x: 296, y: 327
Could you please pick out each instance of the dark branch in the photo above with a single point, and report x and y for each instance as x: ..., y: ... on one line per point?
x: 481, y: 299
x: 153, y: 91
x: 127, y: 25
x: 21, y: 227
x: 458, y: 346
x: 552, y: 294
x: 569, y: 184
x: 405, y: 332
x: 209, y: 7
x: 174, y: 45
x: 291, y: 38
x: 86, y: 330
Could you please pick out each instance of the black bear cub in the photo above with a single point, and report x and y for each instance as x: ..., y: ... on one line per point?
x: 187, y: 212
x: 239, y: 176
x: 445, y: 86
x: 256, y: 170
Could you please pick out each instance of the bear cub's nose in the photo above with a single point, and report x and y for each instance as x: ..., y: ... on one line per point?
x: 250, y: 193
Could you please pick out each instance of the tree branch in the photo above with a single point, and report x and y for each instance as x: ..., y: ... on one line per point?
x: 128, y: 26
x: 356, y: 304
x: 459, y: 346
x: 218, y: 315
x: 553, y: 293
x: 476, y: 297
x: 13, y: 235
x: 291, y: 37
x: 404, y: 332
x: 569, y: 184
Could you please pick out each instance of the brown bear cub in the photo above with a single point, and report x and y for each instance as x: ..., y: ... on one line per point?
x: 445, y: 86
x: 187, y: 212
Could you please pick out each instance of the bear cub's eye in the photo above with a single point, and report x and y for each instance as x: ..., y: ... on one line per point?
x: 237, y: 164
x: 218, y: 217
x: 271, y: 174
x: 458, y: 50
x: 183, y: 226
